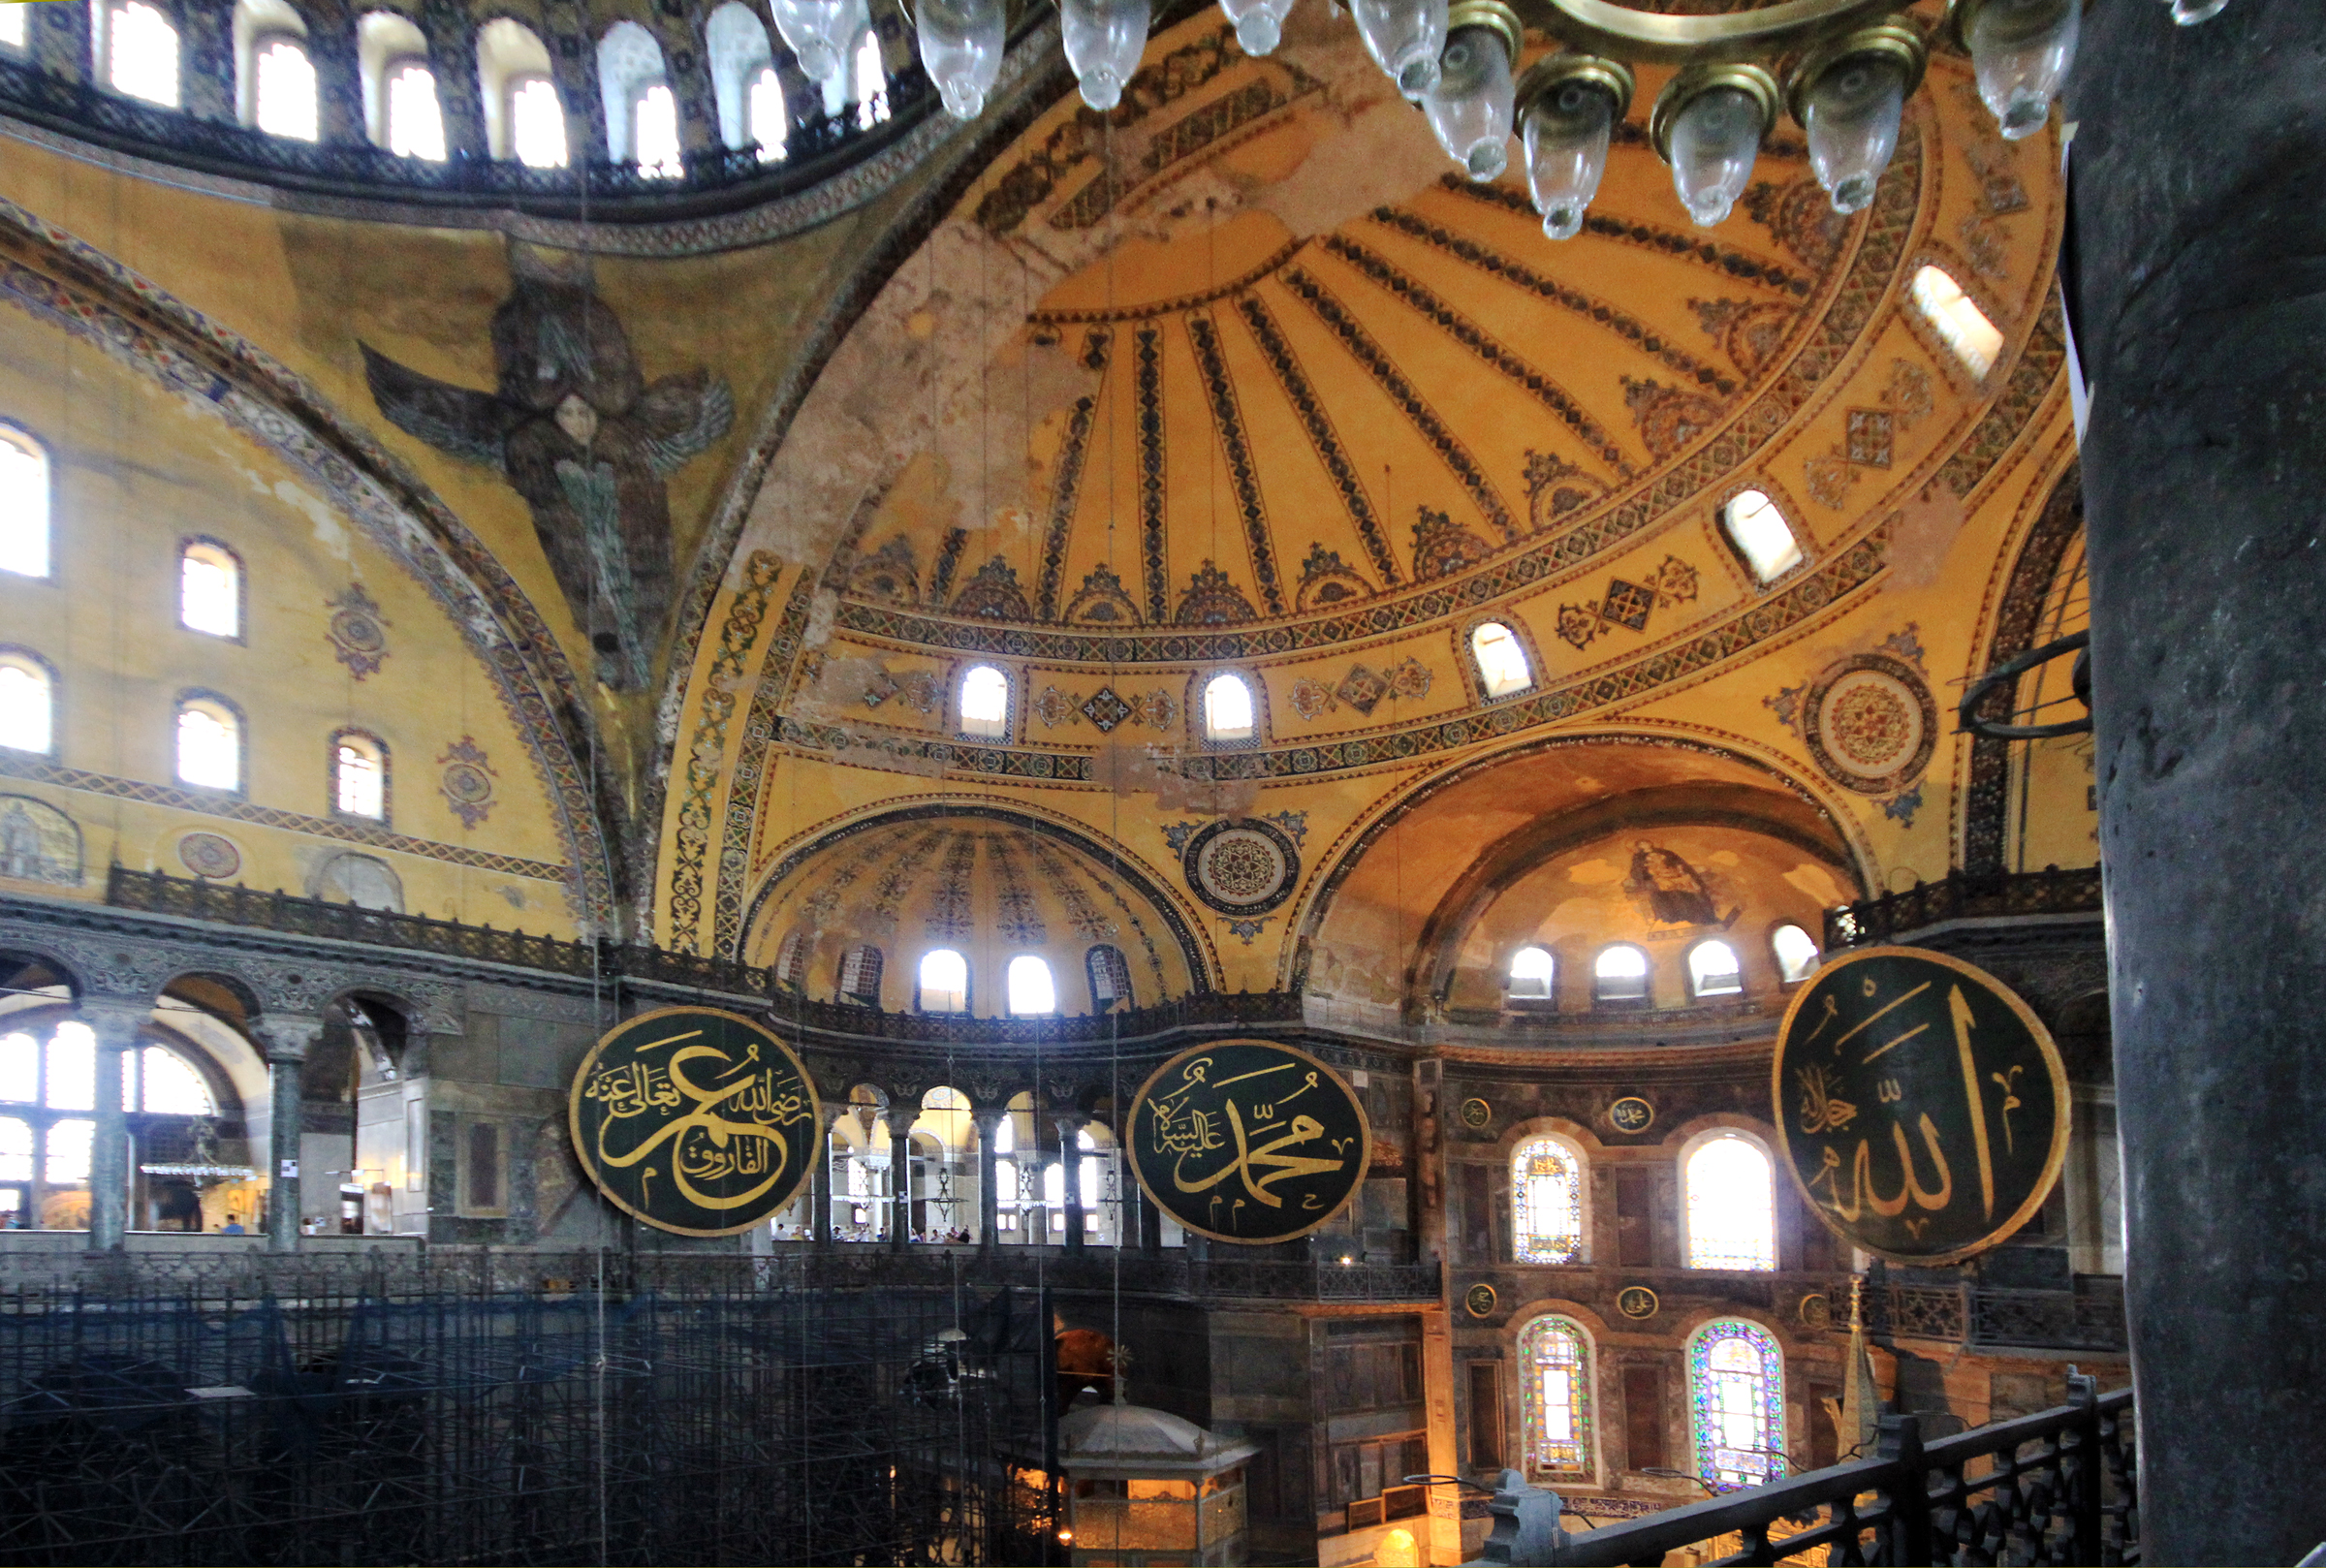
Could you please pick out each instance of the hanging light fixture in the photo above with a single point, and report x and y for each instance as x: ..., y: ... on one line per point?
x: 1404, y: 38
x: 1567, y: 108
x: 1708, y: 125
x: 960, y: 48
x: 2020, y: 50
x: 1849, y: 93
x: 820, y: 32
x: 1104, y: 40
x: 1259, y: 23
x: 1471, y: 105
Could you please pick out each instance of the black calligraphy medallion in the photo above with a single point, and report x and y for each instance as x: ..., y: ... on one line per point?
x: 1923, y: 1108
x: 695, y: 1120
x: 1249, y: 1140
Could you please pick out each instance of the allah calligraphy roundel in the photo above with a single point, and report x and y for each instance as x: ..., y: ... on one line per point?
x: 1249, y: 1140
x: 1922, y: 1108
x: 695, y: 1120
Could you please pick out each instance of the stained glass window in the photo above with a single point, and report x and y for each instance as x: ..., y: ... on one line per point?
x: 1546, y: 1200
x: 1732, y: 1215
x: 1735, y: 1404
x: 1555, y: 1391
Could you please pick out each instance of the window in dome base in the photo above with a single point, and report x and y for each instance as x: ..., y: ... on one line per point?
x: 209, y: 589
x: 27, y: 704
x: 209, y: 744
x: 141, y: 52
x: 1761, y: 534
x: 283, y: 90
x: 23, y: 505
x: 1713, y: 971
x: 1501, y: 660
x: 1033, y: 993
x: 1957, y: 320
x: 1796, y: 954
x: 1532, y: 973
x: 985, y: 702
x: 1620, y: 974
x: 415, y: 119
x: 1227, y: 708
x: 944, y: 982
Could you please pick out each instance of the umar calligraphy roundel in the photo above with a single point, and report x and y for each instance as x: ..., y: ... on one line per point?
x: 1923, y: 1109
x: 1249, y: 1140
x: 1241, y: 867
x: 1871, y: 724
x: 695, y: 1120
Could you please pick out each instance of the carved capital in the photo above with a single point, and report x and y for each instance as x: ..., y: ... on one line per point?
x: 287, y: 1036
x: 115, y: 1020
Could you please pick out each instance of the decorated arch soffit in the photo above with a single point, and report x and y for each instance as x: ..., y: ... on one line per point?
x: 1240, y: 376
x: 58, y: 279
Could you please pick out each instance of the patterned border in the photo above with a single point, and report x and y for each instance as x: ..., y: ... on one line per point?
x: 218, y: 803
x: 1066, y: 488
x: 751, y: 767
x: 691, y: 842
x: 1191, y: 861
x: 1813, y: 733
x: 1153, y: 559
x: 1300, y: 394
x: 1987, y: 792
x: 1227, y: 419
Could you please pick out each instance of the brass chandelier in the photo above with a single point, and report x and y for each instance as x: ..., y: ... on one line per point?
x: 1840, y: 69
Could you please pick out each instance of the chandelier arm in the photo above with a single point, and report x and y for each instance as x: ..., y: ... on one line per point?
x: 1623, y: 33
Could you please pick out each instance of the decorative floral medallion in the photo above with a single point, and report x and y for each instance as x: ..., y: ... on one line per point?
x: 467, y: 781
x: 1871, y: 724
x: 357, y: 633
x: 1242, y: 865
x: 208, y: 855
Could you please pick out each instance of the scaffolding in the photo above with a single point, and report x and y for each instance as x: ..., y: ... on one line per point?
x: 595, y: 1407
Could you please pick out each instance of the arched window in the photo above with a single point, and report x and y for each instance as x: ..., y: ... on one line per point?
x: 1620, y: 974
x: 11, y: 25
x: 358, y: 776
x: 985, y: 702
x: 1714, y: 970
x: 1555, y: 1397
x: 869, y: 82
x: 1761, y: 535
x: 1957, y: 320
x: 1796, y: 954
x: 741, y: 59
x: 209, y: 744
x: 1545, y: 1202
x: 1054, y: 1195
x: 767, y: 116
x: 364, y: 880
x: 1731, y: 1208
x: 1110, y: 978
x: 1033, y: 993
x: 158, y: 1081
x: 210, y: 588
x: 642, y: 115
x: 400, y: 111
x: 859, y: 975
x: 275, y: 79
x: 23, y: 504
x: 1501, y: 660
x: 524, y: 116
x: 944, y: 982
x: 27, y: 703
x: 139, y: 51
x: 1227, y: 708
x: 1737, y: 1404
x: 791, y: 959
x: 1533, y: 971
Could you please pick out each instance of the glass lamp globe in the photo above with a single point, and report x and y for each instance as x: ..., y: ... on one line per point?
x: 1714, y: 137
x: 1104, y: 40
x: 1572, y: 103
x: 1470, y: 107
x: 961, y: 47
x: 2020, y: 52
x: 1404, y: 38
x: 1259, y: 23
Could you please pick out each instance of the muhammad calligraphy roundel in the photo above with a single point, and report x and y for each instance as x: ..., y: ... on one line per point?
x: 1923, y: 1109
x: 697, y: 1121
x: 1249, y: 1140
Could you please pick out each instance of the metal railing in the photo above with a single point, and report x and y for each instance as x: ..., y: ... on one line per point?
x: 2056, y: 1486
x: 1964, y: 896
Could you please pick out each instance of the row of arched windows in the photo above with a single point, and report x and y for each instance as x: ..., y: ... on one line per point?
x: 136, y: 50
x: 1728, y: 1202
x: 942, y: 977
x: 1622, y: 971
x: 1735, y: 1374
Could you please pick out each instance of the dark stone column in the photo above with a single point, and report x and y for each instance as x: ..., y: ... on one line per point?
x: 819, y: 1184
x: 287, y: 1038
x: 2199, y: 300
x: 1151, y: 1218
x: 900, y: 1183
x: 1071, y: 1151
x: 115, y: 1024
x: 989, y: 1197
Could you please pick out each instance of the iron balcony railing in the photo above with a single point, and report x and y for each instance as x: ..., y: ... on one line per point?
x: 1964, y: 896
x: 2058, y: 1487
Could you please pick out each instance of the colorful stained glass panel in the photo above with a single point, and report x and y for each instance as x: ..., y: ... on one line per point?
x: 1556, y: 1392
x: 1737, y: 1404
x: 1546, y: 1201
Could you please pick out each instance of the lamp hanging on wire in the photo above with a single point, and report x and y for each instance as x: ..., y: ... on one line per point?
x: 1469, y: 107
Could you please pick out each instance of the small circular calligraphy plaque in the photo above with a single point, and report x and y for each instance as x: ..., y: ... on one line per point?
x: 697, y: 1121
x: 1922, y: 1108
x: 1249, y: 1140
x: 1478, y: 1301
x: 1817, y: 1312
x: 1476, y: 1114
x: 1631, y: 1115
x: 1637, y: 1301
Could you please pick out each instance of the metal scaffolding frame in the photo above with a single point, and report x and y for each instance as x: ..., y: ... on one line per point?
x: 603, y: 1408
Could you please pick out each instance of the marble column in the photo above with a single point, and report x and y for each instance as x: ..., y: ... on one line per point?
x: 900, y: 1186
x: 1070, y: 1147
x: 287, y: 1038
x: 819, y: 1184
x: 989, y: 1194
x: 116, y: 1022
x: 2198, y: 298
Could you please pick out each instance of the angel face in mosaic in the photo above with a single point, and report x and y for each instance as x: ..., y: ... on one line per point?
x: 586, y: 440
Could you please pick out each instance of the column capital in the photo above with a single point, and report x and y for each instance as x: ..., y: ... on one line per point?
x: 115, y: 1020
x: 287, y: 1036
x: 986, y: 1117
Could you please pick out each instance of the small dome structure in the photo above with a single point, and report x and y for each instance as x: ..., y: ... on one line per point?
x: 1144, y: 1480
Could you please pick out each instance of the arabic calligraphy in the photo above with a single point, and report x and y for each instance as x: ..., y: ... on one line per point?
x: 1249, y: 1140
x: 1906, y: 1084
x: 718, y: 1104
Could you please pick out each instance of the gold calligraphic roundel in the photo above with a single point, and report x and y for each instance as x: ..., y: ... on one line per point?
x: 695, y: 1120
x: 1249, y: 1140
x: 1922, y: 1108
